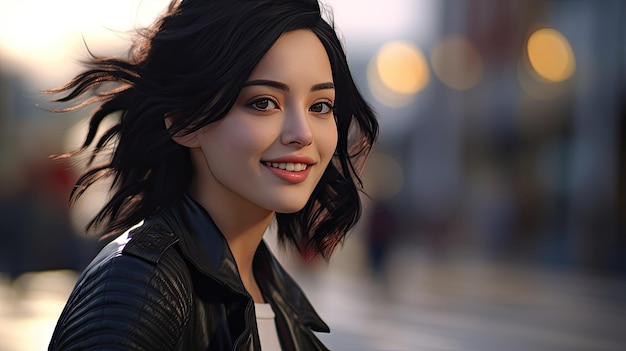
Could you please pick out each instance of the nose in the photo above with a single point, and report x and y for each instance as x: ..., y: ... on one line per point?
x: 296, y: 129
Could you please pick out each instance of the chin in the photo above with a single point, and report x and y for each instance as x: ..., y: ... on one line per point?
x: 289, y: 208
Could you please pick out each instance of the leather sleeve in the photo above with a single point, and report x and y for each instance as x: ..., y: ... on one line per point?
x: 123, y: 302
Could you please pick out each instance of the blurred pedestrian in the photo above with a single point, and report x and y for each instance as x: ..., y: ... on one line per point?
x: 380, y: 233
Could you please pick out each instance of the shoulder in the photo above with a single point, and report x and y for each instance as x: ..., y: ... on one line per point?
x: 137, y: 292
x: 145, y: 257
x: 150, y: 241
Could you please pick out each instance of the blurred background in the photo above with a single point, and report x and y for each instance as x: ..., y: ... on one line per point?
x: 496, y: 216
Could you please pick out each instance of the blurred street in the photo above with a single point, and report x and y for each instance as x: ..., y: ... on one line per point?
x: 467, y: 304
x: 461, y: 304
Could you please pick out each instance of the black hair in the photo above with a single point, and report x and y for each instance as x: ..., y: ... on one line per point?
x: 193, y: 62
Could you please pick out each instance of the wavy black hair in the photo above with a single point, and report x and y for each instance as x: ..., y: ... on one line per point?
x: 193, y: 62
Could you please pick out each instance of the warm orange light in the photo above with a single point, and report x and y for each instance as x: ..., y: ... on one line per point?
x: 46, y: 37
x: 539, y: 89
x: 402, y: 67
x: 550, y: 55
x: 397, y: 72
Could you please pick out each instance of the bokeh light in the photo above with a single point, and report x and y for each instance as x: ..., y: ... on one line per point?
x: 384, y: 177
x: 539, y: 89
x: 550, y: 55
x: 457, y: 63
x: 397, y: 72
x: 402, y: 67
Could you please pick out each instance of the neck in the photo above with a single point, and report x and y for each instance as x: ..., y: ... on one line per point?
x: 242, y: 223
x: 243, y: 233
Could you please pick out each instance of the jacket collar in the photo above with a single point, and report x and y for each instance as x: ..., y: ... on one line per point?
x: 206, y: 248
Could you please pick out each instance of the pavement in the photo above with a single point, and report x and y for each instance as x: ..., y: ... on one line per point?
x: 420, y: 303
x: 459, y: 306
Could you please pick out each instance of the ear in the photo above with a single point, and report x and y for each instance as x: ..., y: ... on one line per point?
x: 189, y: 140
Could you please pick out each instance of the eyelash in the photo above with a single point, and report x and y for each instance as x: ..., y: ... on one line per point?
x: 331, y: 108
x: 253, y: 104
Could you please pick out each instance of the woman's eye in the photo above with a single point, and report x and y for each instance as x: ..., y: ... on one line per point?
x: 264, y: 104
x: 321, y: 108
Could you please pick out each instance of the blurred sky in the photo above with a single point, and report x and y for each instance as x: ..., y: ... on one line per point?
x: 44, y: 39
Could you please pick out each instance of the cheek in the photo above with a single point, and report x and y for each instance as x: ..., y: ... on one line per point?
x: 327, y: 141
x: 240, y: 137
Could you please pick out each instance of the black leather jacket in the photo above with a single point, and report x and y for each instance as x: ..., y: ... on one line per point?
x: 172, y: 284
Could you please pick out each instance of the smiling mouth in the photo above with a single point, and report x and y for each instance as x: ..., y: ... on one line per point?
x: 287, y: 166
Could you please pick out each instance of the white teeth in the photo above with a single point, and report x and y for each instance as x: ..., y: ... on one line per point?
x: 288, y: 166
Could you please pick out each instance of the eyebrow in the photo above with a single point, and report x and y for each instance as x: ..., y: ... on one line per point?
x: 285, y: 87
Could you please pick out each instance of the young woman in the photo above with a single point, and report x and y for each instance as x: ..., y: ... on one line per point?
x: 233, y: 114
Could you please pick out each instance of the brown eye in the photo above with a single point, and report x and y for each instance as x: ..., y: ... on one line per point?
x: 321, y: 108
x: 263, y: 104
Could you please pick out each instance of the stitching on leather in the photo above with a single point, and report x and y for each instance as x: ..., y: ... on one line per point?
x: 150, y: 242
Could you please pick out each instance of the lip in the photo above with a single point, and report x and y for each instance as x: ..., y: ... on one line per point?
x: 292, y: 159
x: 292, y: 177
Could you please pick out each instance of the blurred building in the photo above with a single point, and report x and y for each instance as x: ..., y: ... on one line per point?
x: 512, y: 143
x: 37, y: 233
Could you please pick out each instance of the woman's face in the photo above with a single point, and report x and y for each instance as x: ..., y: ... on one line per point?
x: 272, y: 148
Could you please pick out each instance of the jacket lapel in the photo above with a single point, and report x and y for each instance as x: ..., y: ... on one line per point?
x: 206, y: 248
x: 278, y: 280
x: 203, y: 244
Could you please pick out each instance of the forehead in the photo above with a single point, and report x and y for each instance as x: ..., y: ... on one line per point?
x: 297, y: 55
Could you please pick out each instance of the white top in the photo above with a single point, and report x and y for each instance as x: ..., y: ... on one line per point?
x: 267, y: 328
